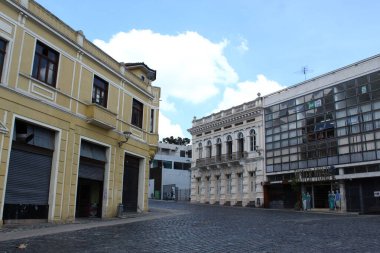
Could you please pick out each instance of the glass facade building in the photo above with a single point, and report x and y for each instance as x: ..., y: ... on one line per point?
x: 336, y: 125
x: 322, y: 137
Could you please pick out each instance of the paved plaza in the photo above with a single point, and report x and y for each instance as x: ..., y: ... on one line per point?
x: 184, y: 227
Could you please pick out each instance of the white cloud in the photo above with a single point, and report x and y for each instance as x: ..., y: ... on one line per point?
x: 243, y: 47
x: 247, y: 91
x: 166, y: 128
x: 189, y: 66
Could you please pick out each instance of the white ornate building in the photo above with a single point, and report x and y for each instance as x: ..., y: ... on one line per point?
x: 228, y: 160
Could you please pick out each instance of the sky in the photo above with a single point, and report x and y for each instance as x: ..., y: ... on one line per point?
x: 211, y: 55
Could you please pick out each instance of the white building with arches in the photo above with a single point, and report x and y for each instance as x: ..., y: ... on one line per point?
x: 228, y: 159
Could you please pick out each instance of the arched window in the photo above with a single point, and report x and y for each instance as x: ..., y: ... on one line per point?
x: 200, y: 150
x: 240, y: 142
x: 229, y: 147
x: 218, y: 149
x: 252, y: 140
x: 240, y: 145
x: 209, y: 149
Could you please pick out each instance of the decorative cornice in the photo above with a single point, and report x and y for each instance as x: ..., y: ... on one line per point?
x: 226, y: 121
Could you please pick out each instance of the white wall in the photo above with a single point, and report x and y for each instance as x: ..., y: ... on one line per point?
x: 151, y: 188
x: 181, y: 178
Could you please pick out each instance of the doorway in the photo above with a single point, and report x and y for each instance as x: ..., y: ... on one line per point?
x: 91, y: 172
x: 321, y: 193
x: 131, y: 183
x: 89, y: 198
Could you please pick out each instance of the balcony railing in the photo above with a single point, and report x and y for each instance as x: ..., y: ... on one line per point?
x: 219, y: 159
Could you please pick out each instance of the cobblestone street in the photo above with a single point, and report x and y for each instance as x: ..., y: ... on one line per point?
x: 204, y: 228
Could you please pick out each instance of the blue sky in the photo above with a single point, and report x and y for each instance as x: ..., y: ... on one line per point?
x: 214, y: 54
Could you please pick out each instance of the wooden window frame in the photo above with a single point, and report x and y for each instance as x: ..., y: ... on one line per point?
x: 137, y: 113
x: 44, y: 53
x: 100, y: 87
x: 3, y: 52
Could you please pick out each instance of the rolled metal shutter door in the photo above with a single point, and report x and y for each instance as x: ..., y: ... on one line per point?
x: 91, y: 171
x: 28, y: 178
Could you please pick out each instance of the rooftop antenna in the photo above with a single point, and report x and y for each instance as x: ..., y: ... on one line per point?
x: 305, y: 70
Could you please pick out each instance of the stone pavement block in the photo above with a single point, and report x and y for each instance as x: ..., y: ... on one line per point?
x: 209, y: 228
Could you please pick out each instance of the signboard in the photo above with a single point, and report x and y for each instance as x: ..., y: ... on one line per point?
x: 316, y: 174
x: 376, y: 194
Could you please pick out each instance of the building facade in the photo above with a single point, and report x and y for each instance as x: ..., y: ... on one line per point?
x: 323, y: 136
x: 77, y: 128
x: 228, y: 162
x: 170, y: 171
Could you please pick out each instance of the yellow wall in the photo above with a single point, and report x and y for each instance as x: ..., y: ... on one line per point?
x: 67, y: 107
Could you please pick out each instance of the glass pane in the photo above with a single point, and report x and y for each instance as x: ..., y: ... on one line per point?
x: 300, y: 100
x: 376, y: 105
x: 318, y: 94
x: 363, y: 89
x: 35, y: 66
x: 367, y: 117
x: 343, y: 150
x: 284, y: 127
x: 351, y: 93
x: 340, y: 87
x: 350, y: 84
x: 292, y: 118
x: 342, y: 131
x: 52, y: 56
x: 351, y: 101
x: 51, y: 74
x: 362, y: 80
x: 340, y: 114
x: 352, y: 111
x: 42, y: 70
x: 300, y: 108
x: 300, y: 115
x: 344, y: 158
x: 375, y: 85
x: 376, y: 115
x: 374, y: 76
x: 340, y: 105
x: 368, y: 126
x: 365, y: 108
x: 341, y: 123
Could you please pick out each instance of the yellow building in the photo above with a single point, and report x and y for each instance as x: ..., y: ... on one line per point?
x: 77, y: 128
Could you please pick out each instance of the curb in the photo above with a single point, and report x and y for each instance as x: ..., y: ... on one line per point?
x: 56, y: 229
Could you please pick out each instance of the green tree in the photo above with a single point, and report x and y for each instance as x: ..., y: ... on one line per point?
x: 177, y: 141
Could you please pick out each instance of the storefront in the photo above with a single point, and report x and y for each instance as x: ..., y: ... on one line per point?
x: 30, y: 165
x: 90, y: 180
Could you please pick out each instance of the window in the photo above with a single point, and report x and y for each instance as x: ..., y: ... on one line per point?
x: 3, y: 44
x: 240, y: 182
x: 182, y: 153
x: 240, y: 143
x: 152, y: 120
x: 137, y: 113
x: 167, y: 164
x: 200, y: 150
x: 209, y: 149
x: 100, y: 92
x: 252, y: 140
x: 229, y: 184
x: 229, y: 147
x: 218, y: 148
x: 45, y: 64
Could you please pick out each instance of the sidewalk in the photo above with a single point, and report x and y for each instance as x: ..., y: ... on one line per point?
x: 12, y: 232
